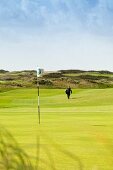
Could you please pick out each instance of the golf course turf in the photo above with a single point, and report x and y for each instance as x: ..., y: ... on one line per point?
x: 74, y: 134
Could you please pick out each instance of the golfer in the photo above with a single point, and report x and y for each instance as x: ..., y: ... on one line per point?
x: 68, y: 92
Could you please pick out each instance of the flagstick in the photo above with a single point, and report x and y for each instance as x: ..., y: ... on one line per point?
x: 38, y: 100
x: 39, y: 73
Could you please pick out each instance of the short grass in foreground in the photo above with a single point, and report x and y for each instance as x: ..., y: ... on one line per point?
x: 73, y: 134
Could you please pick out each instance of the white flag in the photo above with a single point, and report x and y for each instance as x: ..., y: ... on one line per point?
x: 39, y: 72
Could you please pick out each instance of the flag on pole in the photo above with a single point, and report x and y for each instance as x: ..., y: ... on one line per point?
x: 39, y: 72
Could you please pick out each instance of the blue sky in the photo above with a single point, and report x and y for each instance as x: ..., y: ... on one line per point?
x: 56, y: 34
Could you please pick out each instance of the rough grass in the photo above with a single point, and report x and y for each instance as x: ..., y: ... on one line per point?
x: 57, y: 79
x: 89, y: 73
x: 73, y: 134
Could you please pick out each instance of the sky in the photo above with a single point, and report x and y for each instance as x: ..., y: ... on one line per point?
x: 56, y: 34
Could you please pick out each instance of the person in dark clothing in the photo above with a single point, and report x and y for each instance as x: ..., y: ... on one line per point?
x: 68, y: 92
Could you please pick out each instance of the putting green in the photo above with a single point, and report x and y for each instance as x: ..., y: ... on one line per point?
x: 73, y: 134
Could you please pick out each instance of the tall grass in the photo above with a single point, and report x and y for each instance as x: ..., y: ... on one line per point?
x: 12, y: 157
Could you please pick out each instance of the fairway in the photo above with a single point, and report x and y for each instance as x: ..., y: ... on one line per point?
x: 75, y: 134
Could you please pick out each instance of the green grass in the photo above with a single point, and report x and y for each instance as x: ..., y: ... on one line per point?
x: 73, y: 134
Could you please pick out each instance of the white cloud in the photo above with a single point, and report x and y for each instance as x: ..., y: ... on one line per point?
x: 24, y: 6
x: 57, y: 34
x: 63, y: 14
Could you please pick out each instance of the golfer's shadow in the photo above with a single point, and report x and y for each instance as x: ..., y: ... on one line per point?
x: 74, y: 98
